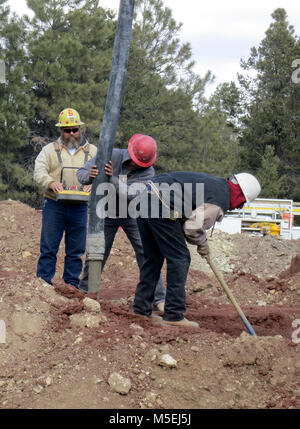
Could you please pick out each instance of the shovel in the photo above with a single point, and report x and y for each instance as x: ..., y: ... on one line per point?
x: 229, y: 294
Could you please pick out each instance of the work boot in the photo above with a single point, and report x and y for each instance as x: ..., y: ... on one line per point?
x: 152, y: 317
x: 184, y: 323
x: 159, y: 306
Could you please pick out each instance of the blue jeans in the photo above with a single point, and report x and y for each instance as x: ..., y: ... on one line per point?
x: 130, y: 228
x: 58, y: 219
x: 163, y: 239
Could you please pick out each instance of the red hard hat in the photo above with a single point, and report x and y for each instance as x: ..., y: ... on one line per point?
x: 142, y: 150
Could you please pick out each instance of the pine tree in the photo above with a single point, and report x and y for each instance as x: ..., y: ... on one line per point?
x: 15, y: 109
x: 268, y: 174
x: 70, y: 51
x: 271, y: 110
x: 162, y: 93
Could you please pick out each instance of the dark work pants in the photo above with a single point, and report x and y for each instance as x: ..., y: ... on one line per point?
x: 130, y: 228
x: 163, y: 239
x: 58, y: 219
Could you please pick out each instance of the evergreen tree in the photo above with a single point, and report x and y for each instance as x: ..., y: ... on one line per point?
x: 227, y: 100
x: 268, y: 174
x: 270, y: 104
x: 218, y: 132
x: 156, y: 31
x: 64, y: 59
x: 15, y: 182
x: 70, y: 50
x: 161, y: 89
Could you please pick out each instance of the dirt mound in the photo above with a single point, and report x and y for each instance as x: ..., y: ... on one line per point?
x: 61, y: 349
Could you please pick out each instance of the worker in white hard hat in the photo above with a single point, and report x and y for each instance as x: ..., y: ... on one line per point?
x: 136, y: 163
x: 194, y: 203
x: 68, y: 153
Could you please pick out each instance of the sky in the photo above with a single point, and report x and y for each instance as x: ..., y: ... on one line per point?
x: 220, y: 32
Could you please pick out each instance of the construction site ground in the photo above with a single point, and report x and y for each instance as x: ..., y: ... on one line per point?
x: 58, y: 353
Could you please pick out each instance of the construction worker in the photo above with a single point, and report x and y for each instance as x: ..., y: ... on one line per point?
x: 65, y: 155
x: 136, y: 164
x: 188, y: 204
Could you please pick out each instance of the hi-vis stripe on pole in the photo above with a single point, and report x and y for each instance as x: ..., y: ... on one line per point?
x: 2, y: 71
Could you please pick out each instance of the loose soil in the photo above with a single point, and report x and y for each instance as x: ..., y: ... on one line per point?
x: 48, y: 362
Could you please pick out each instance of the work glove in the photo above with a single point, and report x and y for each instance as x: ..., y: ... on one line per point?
x: 203, y: 250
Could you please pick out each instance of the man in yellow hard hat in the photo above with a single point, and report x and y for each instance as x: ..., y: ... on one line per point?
x: 55, y: 170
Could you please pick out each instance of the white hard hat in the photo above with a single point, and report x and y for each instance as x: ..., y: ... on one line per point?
x: 249, y: 185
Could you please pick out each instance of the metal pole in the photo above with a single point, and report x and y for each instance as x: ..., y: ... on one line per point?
x: 230, y: 296
x: 95, y: 238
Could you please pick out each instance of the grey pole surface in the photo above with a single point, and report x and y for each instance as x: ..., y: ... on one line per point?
x: 95, y: 237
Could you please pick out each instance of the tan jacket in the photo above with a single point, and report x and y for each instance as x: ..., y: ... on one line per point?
x: 203, y: 218
x: 47, y: 168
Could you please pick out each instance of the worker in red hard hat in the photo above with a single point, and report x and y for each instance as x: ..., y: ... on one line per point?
x: 136, y: 165
x: 142, y: 150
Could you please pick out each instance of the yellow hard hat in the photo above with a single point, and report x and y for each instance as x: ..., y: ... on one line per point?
x: 69, y: 118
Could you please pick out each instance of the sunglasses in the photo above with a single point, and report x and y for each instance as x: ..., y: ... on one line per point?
x: 70, y: 130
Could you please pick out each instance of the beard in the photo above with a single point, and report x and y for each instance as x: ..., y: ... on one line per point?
x: 71, y: 141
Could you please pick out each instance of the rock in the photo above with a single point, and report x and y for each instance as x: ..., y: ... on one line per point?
x: 136, y: 327
x: 195, y: 349
x: 119, y: 384
x: 152, y: 354
x: 26, y: 254
x: 167, y: 361
x: 271, y: 278
x: 87, y: 320
x: 200, y: 287
x: 91, y: 305
x: 164, y: 348
x: 97, y: 380
x: 48, y: 381
x: 78, y: 340
x: 151, y: 396
x: 38, y: 388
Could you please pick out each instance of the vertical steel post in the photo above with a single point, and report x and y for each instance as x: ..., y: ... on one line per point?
x: 95, y: 238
